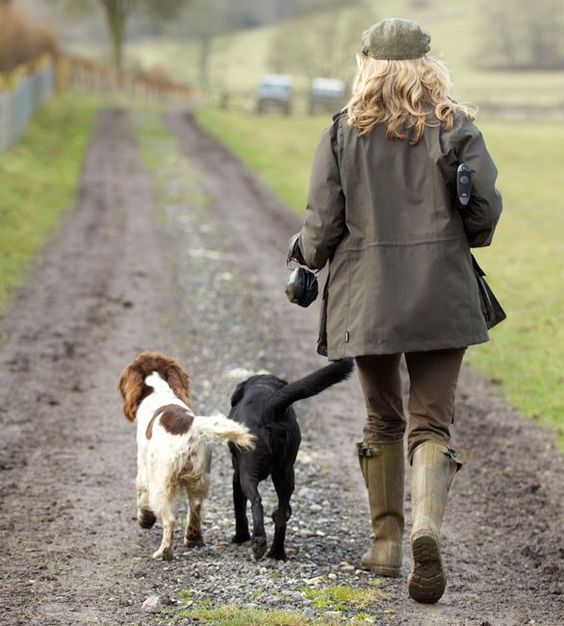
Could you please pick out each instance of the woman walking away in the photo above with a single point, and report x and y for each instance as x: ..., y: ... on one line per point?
x: 382, y: 213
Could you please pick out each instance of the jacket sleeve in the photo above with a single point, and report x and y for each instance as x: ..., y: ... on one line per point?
x: 324, y: 224
x: 482, y: 213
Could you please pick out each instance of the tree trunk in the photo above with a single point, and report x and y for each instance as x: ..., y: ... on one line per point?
x: 205, y: 49
x: 116, y: 18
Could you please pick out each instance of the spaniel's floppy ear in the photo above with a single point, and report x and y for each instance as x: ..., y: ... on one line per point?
x: 178, y: 381
x: 238, y: 393
x: 131, y: 385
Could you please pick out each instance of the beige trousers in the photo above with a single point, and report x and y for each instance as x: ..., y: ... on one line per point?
x: 433, y: 377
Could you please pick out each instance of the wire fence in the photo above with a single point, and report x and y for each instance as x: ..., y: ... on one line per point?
x: 90, y: 77
x: 20, y: 95
x: 28, y: 86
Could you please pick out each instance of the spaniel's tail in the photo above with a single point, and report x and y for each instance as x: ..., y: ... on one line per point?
x: 310, y: 385
x: 220, y: 429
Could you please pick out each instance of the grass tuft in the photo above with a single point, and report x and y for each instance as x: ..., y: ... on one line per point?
x: 341, y: 597
x: 232, y: 616
x: 228, y: 615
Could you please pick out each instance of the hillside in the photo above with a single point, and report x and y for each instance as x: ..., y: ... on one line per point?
x: 238, y: 60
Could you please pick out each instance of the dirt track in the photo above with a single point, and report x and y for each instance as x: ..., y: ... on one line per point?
x: 134, y: 269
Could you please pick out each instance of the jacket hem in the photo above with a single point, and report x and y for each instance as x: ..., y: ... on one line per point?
x: 351, y: 351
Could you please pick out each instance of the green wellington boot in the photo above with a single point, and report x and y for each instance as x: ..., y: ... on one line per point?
x: 434, y: 467
x: 382, y: 466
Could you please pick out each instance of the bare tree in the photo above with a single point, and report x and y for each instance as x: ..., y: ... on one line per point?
x: 521, y: 34
x: 117, y: 14
x: 203, y: 21
x: 323, y: 46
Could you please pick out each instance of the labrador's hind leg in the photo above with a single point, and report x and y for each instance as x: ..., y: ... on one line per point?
x: 284, y: 484
x: 250, y: 489
x: 240, y: 504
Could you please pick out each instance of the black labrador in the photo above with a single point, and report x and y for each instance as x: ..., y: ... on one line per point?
x: 263, y: 404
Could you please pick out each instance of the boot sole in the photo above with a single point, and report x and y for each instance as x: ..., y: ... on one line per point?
x: 427, y: 580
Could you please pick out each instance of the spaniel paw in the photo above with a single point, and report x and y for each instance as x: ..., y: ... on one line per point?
x: 163, y: 553
x: 194, y: 540
x: 146, y: 518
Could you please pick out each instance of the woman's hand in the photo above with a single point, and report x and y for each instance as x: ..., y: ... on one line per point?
x: 294, y: 251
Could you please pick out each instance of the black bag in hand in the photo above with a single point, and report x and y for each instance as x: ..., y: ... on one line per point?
x: 302, y: 288
x: 491, y: 308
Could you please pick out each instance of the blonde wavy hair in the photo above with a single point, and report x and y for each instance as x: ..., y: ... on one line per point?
x: 404, y: 95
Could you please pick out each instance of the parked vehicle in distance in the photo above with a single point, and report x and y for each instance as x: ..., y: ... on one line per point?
x: 275, y: 91
x: 326, y: 95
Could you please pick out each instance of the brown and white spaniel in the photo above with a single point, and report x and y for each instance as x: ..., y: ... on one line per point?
x: 173, y: 455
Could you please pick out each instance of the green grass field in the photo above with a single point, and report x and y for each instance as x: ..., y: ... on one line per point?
x: 37, y: 182
x: 525, y: 264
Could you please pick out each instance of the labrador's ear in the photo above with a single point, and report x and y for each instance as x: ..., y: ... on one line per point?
x: 238, y: 393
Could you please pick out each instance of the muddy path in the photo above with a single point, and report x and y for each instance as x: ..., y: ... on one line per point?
x: 189, y: 259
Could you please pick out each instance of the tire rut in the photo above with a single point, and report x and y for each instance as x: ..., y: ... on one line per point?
x: 66, y: 336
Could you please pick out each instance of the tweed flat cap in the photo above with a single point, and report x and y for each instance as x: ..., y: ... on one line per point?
x: 395, y: 39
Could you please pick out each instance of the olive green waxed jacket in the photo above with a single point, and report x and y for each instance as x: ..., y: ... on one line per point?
x: 380, y: 212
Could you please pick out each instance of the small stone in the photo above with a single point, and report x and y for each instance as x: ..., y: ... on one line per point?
x: 152, y: 605
x: 308, y: 613
x: 332, y: 576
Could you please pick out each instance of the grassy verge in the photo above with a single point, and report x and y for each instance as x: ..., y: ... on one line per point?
x: 37, y: 182
x: 524, y: 264
x: 279, y: 149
